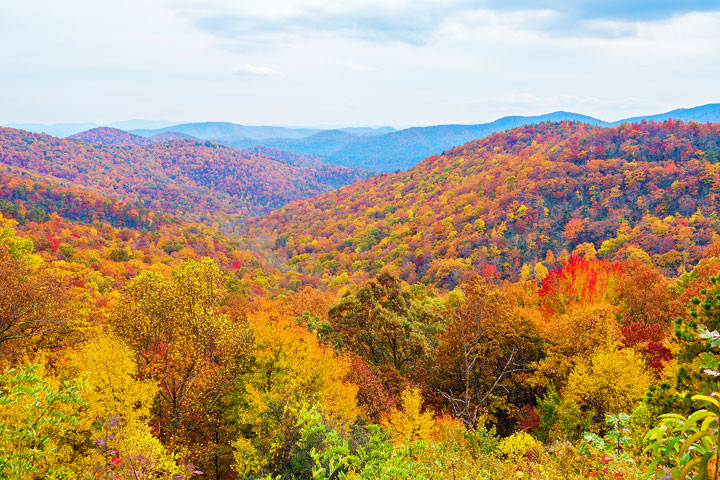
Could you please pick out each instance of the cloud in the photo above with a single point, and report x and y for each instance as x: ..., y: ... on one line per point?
x: 356, y: 67
x: 403, y: 21
x: 246, y: 69
x: 416, y: 22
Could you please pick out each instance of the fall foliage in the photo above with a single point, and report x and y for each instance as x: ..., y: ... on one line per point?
x: 504, y: 310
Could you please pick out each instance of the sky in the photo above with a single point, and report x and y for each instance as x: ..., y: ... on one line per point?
x: 353, y: 62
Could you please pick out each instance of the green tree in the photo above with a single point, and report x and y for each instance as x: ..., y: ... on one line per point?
x: 386, y: 325
x: 695, y: 354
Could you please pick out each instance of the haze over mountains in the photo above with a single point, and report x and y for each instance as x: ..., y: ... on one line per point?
x: 382, y: 149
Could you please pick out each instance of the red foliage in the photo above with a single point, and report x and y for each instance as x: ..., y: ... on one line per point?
x: 373, y: 396
x: 490, y: 271
x: 54, y: 243
x: 647, y: 339
x: 577, y: 281
x: 528, y: 419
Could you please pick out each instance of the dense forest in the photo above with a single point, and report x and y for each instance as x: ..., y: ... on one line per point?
x: 498, y: 205
x: 542, y: 303
x: 196, y: 180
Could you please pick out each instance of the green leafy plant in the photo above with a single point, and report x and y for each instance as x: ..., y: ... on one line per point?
x: 33, y: 416
x: 687, y: 447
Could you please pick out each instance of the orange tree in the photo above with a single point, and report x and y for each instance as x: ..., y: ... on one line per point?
x: 484, y: 353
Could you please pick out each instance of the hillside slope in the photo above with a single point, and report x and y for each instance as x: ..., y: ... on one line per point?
x: 199, y: 180
x: 499, y: 204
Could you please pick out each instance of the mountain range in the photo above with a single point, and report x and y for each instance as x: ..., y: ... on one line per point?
x: 193, y: 179
x: 386, y: 150
x: 381, y: 149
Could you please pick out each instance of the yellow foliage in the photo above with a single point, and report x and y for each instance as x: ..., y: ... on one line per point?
x: 105, y: 368
x: 157, y: 463
x: 108, y: 370
x: 409, y: 424
x: 541, y: 272
x: 611, y: 381
x: 37, y: 413
x: 291, y: 363
x: 570, y: 336
x: 520, y: 445
x: 289, y: 370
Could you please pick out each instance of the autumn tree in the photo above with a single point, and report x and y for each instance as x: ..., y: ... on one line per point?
x: 611, y: 381
x: 570, y: 336
x: 578, y: 281
x: 33, y: 298
x: 180, y: 341
x: 410, y: 423
x: 483, y: 353
x: 36, y: 415
x: 387, y: 326
x: 287, y: 370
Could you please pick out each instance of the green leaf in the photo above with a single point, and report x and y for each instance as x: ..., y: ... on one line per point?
x: 706, y: 398
x: 692, y: 439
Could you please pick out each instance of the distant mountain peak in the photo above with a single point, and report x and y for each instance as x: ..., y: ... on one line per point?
x: 110, y: 136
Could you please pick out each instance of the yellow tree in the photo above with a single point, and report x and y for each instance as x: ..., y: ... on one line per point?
x: 409, y: 423
x: 111, y: 416
x: 289, y: 370
x: 180, y: 341
x: 570, y: 336
x: 610, y: 381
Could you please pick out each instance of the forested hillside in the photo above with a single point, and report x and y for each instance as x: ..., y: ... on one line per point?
x: 189, y: 178
x: 508, y: 204
x: 541, y: 303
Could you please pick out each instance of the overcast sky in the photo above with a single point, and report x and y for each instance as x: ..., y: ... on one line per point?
x: 353, y: 62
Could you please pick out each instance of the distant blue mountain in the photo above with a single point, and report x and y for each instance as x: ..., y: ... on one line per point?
x: 227, y: 131
x: 326, y: 143
x: 702, y: 114
x: 67, y: 129
x: 381, y: 149
x: 402, y: 149
x: 56, y: 130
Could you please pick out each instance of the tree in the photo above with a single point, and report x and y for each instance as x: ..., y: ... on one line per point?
x: 482, y: 354
x: 384, y: 324
x: 35, y: 416
x: 288, y: 370
x: 611, y: 381
x: 570, y: 336
x: 578, y: 281
x: 410, y: 424
x: 33, y: 299
x: 180, y: 341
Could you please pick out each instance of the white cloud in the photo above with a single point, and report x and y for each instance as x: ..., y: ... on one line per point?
x: 358, y: 67
x: 254, y: 70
